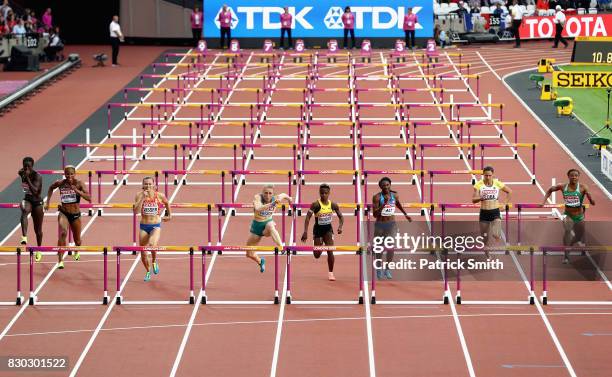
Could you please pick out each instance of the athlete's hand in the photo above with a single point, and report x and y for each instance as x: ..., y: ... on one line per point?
x: 21, y: 173
x: 46, y: 207
x: 408, y: 218
x: 167, y: 218
x: 304, y: 236
x: 339, y: 230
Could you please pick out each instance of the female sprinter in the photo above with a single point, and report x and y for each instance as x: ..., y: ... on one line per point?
x: 31, y: 182
x: 322, y: 232
x: 573, y: 196
x: 383, y: 205
x: 71, y: 191
x: 264, y: 205
x: 486, y: 192
x: 148, y: 204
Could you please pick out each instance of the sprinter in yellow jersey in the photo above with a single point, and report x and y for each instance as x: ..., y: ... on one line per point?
x: 323, y: 232
x: 486, y: 192
x: 264, y: 205
x: 574, y: 194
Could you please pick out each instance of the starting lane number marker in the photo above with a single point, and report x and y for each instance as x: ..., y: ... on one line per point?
x: 268, y: 46
x: 400, y: 46
x: 431, y: 46
x: 235, y: 45
x: 332, y: 45
x: 366, y: 47
x: 202, y: 46
x: 299, y: 45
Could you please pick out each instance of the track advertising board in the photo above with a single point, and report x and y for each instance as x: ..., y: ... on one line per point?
x: 373, y: 18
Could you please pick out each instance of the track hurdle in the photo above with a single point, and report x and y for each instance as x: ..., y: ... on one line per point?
x: 306, y: 151
x: 441, y: 106
x: 323, y: 124
x: 221, y: 173
x: 52, y: 250
x: 415, y: 174
x: 168, y: 250
x: 472, y: 148
x: 499, y: 106
x: 514, y: 147
x: 404, y: 128
x: 433, y: 173
x: 238, y: 250
x: 444, y: 275
x: 243, y: 173
x: 66, y: 146
x: 301, y: 175
x: 338, y: 250
x: 501, y: 124
x: 252, y: 147
x: 410, y: 150
x: 451, y: 125
x: 298, y: 207
x: 159, y: 125
x: 584, y: 250
x: 9, y: 250
x: 184, y: 147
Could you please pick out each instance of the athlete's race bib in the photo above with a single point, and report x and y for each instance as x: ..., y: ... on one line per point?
x: 388, y: 210
x: 234, y: 46
x: 489, y: 193
x: 299, y: 45
x: 26, y: 188
x: 399, y: 46
x: 332, y: 45
x: 324, y: 219
x: 150, y: 209
x: 572, y: 201
x: 68, y: 196
x: 202, y: 46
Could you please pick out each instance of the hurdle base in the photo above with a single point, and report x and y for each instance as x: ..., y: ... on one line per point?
x: 458, y: 300
x: 531, y: 300
x: 191, y: 300
x: 19, y: 300
x: 32, y: 300
x: 203, y: 300
x: 118, y: 300
x: 445, y: 300
x: 373, y: 300
x: 544, y: 300
x: 288, y: 300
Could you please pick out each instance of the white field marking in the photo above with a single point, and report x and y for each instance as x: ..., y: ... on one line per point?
x: 283, y: 297
x: 194, y: 312
x: 126, y: 279
x: 306, y: 320
x: 462, y: 341
x: 84, y: 160
x: 542, y: 314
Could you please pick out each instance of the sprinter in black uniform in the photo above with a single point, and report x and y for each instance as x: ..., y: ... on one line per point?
x: 71, y: 190
x: 31, y: 183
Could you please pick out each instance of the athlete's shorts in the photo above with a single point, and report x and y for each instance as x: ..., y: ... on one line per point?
x: 319, y: 231
x: 33, y: 203
x: 575, y: 218
x: 489, y: 215
x: 385, y: 229
x: 148, y: 228
x: 258, y: 227
x: 72, y: 217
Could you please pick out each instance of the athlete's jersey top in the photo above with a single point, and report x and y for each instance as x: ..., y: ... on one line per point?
x: 489, y: 192
x: 324, y: 214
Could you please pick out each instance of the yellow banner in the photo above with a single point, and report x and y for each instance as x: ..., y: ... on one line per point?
x: 587, y: 80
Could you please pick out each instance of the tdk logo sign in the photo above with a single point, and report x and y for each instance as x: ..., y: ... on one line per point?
x: 333, y: 18
x: 267, y: 18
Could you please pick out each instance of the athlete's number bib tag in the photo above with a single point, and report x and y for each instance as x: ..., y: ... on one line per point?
x: 68, y: 196
x: 325, y: 219
x: 299, y: 45
x: 150, y: 209
x: 388, y: 210
x: 234, y: 46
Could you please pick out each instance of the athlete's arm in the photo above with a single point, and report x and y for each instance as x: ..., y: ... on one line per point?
x: 314, y: 207
x: 53, y: 186
x: 336, y: 209
x: 587, y: 193
x: 398, y: 204
x: 257, y: 204
x: 476, y: 196
x: 376, y: 206
x: 138, y: 202
x: 508, y: 192
x: 550, y: 191
x: 164, y: 200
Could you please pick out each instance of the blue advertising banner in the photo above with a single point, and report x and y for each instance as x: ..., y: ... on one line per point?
x: 373, y: 18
